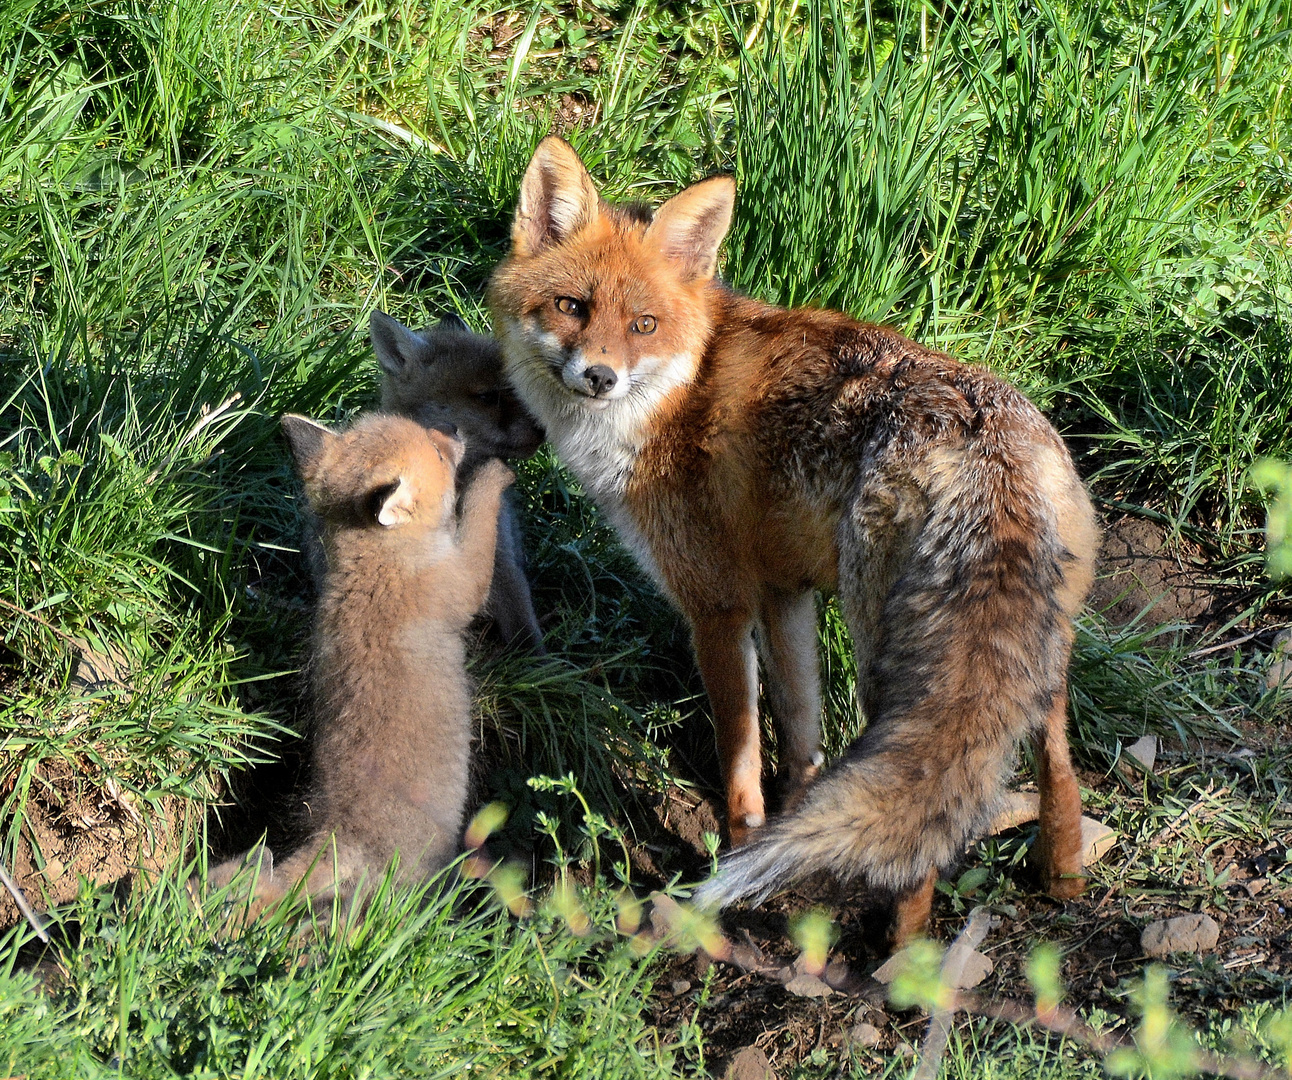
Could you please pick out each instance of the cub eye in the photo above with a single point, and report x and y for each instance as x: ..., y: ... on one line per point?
x: 567, y: 305
x: 488, y: 397
x: 644, y: 324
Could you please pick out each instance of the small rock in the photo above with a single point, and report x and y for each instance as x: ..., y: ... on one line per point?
x: 1185, y: 933
x: 904, y: 1049
x: 969, y: 965
x: 836, y: 974
x: 1255, y: 886
x: 808, y: 986
x: 749, y: 1063
x: 679, y: 986
x: 1144, y: 751
x: 1097, y: 839
x: 1016, y: 808
x: 864, y: 1034
x: 1279, y: 675
x: 664, y: 914
x: 891, y: 968
x: 747, y: 956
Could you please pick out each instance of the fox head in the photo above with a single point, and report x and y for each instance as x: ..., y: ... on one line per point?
x: 447, y: 377
x: 603, y: 307
x: 383, y: 473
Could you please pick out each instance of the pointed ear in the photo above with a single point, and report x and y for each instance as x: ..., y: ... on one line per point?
x: 689, y: 227
x: 557, y: 198
x: 453, y: 321
x: 307, y: 439
x: 450, y: 445
x: 394, y: 503
x: 396, y: 346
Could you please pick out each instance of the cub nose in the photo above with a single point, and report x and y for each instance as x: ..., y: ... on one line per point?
x: 446, y: 427
x: 600, y: 379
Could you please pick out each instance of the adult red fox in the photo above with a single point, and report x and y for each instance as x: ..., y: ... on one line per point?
x: 750, y: 455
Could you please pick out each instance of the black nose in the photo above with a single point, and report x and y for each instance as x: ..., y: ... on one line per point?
x: 446, y: 427
x: 600, y: 379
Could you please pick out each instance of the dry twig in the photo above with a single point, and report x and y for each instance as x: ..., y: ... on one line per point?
x: 935, y: 1039
x: 23, y: 906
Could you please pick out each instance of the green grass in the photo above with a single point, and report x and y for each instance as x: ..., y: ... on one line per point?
x: 199, y: 200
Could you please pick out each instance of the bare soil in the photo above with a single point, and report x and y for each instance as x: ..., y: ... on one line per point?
x: 80, y: 825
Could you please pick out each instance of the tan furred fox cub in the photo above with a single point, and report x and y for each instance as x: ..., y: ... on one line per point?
x: 750, y: 455
x: 446, y: 375
x: 392, y: 727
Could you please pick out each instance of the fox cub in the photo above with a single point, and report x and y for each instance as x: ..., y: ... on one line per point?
x: 446, y: 376
x: 750, y: 455
x: 388, y: 675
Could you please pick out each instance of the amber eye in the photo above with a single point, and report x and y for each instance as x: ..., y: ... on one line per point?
x: 567, y: 305
x: 644, y: 324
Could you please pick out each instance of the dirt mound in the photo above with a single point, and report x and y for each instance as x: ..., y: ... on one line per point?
x: 76, y: 826
x: 1143, y: 569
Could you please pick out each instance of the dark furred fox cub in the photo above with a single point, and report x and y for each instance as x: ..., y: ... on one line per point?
x: 447, y: 376
x: 388, y: 674
x: 750, y: 455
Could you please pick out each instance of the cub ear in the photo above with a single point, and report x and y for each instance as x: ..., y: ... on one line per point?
x: 396, y: 346
x: 453, y: 321
x: 689, y: 227
x: 393, y: 503
x: 308, y: 440
x: 557, y: 198
x: 449, y: 445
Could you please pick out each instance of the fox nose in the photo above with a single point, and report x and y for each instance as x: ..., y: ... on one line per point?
x: 600, y: 379
x: 447, y: 428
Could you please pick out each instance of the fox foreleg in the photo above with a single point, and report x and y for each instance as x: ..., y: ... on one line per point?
x: 510, y: 603
x: 724, y: 650
x: 478, y: 534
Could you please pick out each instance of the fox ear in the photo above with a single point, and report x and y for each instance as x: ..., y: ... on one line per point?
x: 307, y: 439
x: 689, y: 227
x: 453, y: 321
x: 557, y: 198
x: 449, y: 445
x: 396, y: 346
x: 393, y: 503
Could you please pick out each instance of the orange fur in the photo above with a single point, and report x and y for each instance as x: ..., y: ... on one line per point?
x: 751, y: 455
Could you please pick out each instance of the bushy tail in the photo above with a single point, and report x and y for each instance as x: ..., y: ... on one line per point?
x: 972, y: 654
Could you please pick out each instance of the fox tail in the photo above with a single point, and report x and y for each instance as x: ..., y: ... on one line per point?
x: 973, y: 655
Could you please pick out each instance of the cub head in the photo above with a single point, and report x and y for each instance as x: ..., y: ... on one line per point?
x: 599, y: 304
x: 384, y: 472
x: 447, y: 377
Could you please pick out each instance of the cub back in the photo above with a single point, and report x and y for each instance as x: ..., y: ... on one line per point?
x: 446, y: 376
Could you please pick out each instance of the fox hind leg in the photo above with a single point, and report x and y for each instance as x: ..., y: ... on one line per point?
x: 724, y: 650
x: 788, y: 646
x: 1059, y: 846
x: 911, y: 910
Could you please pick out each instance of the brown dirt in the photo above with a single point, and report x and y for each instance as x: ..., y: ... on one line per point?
x: 79, y: 824
x: 1144, y: 572
x: 1099, y: 934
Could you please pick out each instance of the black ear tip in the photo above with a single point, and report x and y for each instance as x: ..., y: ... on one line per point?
x: 305, y: 437
x: 453, y: 321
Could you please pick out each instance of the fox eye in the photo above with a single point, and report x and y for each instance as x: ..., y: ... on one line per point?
x: 644, y: 324
x: 488, y: 397
x: 567, y: 305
